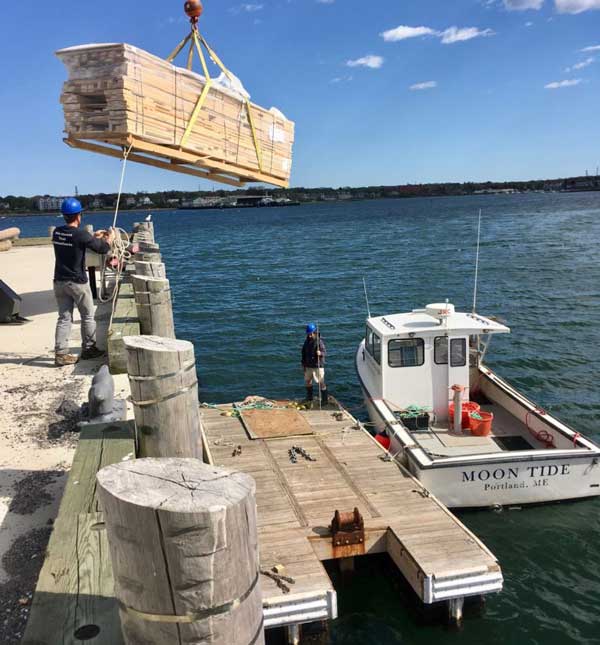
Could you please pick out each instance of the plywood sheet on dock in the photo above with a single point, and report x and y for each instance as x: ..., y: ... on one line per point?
x: 270, y: 424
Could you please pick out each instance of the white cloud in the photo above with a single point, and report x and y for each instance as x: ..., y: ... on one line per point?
x: 448, y: 36
x: 558, y: 84
x: 456, y: 35
x: 576, y: 6
x: 247, y: 7
x: 402, y: 32
x: 523, y: 5
x: 593, y: 48
x: 325, y: 1
x: 529, y: 24
x: 427, y: 85
x: 370, y: 61
x: 584, y: 63
x: 341, y: 79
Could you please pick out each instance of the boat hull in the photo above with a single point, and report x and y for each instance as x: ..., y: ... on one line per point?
x: 499, y: 479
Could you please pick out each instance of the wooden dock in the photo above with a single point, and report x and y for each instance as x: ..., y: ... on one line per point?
x: 441, y: 559
x: 74, y: 598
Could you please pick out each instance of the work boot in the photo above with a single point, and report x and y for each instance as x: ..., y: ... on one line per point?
x: 324, y: 397
x: 60, y: 360
x: 309, y: 393
x: 92, y: 352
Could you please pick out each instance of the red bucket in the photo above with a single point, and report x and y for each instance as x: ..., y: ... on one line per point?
x: 481, y: 427
x: 383, y: 440
x: 467, y: 408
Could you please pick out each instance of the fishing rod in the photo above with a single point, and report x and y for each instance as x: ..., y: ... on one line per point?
x: 319, y: 364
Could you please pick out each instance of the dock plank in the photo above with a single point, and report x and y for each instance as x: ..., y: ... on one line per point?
x: 75, y: 585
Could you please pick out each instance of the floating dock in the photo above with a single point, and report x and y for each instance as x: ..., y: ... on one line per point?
x: 440, y: 558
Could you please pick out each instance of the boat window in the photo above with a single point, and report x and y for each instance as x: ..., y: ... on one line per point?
x: 377, y: 348
x: 373, y: 344
x: 458, y: 352
x: 406, y: 353
x: 440, y: 350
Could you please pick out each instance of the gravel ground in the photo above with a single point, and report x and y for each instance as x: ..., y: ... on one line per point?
x: 38, y: 434
x: 45, y: 413
x: 22, y: 562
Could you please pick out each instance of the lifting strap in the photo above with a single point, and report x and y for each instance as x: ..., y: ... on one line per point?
x: 196, y: 41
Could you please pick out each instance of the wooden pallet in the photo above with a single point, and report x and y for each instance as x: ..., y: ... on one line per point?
x: 173, y: 159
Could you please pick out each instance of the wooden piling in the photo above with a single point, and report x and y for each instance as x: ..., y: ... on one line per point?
x: 144, y: 227
x: 164, y: 392
x: 183, y: 544
x: 148, y: 247
x: 147, y: 257
x: 153, y: 269
x: 154, y: 307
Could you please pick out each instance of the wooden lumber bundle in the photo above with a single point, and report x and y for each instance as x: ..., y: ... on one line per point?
x: 120, y: 95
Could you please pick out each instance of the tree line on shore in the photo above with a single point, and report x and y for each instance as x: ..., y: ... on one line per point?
x: 175, y: 198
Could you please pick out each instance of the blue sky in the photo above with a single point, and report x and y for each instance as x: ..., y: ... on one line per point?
x: 382, y: 92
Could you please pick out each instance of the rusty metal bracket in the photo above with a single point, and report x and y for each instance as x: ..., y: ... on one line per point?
x: 347, y: 529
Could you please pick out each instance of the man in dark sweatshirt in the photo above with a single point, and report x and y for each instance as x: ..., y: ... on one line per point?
x: 71, y: 286
x: 313, y: 362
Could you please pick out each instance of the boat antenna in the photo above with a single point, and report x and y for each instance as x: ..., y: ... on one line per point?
x: 477, y: 262
x: 366, y: 297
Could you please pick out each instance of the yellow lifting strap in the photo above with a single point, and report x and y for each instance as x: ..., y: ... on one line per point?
x: 196, y: 41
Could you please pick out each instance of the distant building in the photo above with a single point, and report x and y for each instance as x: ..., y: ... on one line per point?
x: 173, y: 202
x: 47, y: 203
x: 145, y: 201
x: 4, y: 206
x: 97, y: 203
x: 130, y: 201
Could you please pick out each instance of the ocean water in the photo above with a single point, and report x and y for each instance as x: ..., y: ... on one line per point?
x: 246, y: 282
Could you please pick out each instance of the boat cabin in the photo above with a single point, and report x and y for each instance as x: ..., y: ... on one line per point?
x: 413, y: 359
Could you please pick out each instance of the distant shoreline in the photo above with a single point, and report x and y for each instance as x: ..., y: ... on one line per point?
x: 102, y: 211
x: 142, y: 211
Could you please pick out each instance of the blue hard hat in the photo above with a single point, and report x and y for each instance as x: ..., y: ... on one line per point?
x: 71, y: 206
x: 311, y: 328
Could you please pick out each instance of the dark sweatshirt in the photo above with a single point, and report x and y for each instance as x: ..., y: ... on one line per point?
x: 70, y: 244
x: 309, y: 353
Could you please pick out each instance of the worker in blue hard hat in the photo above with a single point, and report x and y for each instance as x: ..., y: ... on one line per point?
x: 313, y: 363
x: 71, y: 287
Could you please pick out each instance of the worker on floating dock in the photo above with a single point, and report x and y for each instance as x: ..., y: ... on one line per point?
x: 313, y: 361
x: 71, y: 287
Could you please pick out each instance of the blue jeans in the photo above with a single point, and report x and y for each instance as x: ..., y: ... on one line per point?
x: 69, y: 295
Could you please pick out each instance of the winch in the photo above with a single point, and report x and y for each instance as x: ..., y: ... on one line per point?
x: 347, y: 528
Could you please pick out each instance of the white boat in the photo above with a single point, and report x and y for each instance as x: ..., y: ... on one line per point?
x: 411, y: 366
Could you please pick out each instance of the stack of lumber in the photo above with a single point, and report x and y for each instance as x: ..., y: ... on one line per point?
x: 120, y: 95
